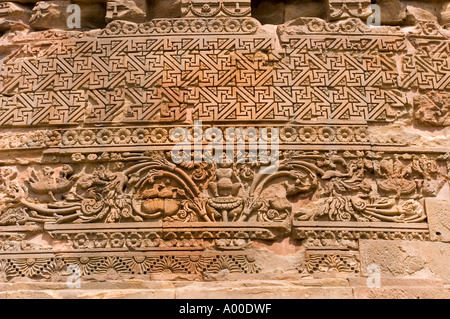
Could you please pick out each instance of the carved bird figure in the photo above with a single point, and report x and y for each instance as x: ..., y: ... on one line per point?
x: 45, y: 183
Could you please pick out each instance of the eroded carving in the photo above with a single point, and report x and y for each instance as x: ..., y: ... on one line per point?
x: 341, y: 9
x: 89, y: 120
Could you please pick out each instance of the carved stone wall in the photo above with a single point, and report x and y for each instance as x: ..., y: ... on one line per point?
x: 90, y: 116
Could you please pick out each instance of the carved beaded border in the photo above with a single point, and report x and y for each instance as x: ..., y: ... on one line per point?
x: 299, y: 135
x: 183, y: 26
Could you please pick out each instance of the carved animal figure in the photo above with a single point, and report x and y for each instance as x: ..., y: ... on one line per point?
x: 46, y: 184
x: 156, y: 207
x: 160, y: 200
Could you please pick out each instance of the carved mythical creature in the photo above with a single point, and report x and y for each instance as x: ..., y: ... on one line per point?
x: 44, y: 183
x: 349, y: 194
x: 104, y: 196
x: 267, y: 193
x: 274, y: 208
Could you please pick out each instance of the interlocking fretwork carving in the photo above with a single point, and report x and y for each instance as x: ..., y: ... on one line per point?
x: 132, y: 72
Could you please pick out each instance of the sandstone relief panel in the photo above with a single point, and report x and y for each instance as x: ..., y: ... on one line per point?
x: 184, y: 140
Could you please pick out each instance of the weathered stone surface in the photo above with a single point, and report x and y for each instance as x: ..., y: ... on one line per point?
x: 242, y: 289
x: 445, y: 14
x: 402, y: 293
x: 58, y: 15
x: 393, y: 12
x: 125, y: 10
x: 420, y: 11
x: 13, y: 16
x: 49, y: 15
x: 438, y: 212
x: 92, y: 15
x: 264, y: 290
x: 309, y: 8
x: 164, y: 9
x: 405, y: 259
x: 389, y: 283
x: 269, y: 12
